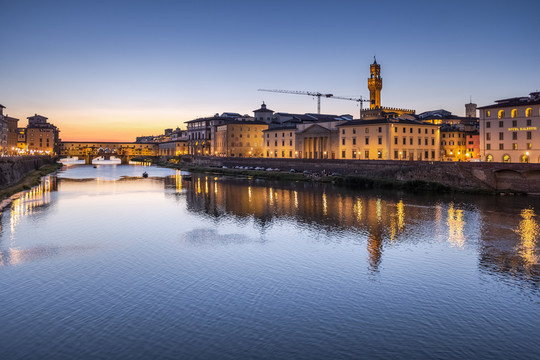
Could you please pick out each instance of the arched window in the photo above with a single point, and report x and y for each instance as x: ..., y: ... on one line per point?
x: 528, y: 112
x: 524, y: 159
x: 489, y: 158
x: 514, y: 113
x: 506, y: 158
x: 501, y: 114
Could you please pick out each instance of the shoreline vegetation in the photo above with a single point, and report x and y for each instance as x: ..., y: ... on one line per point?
x: 33, y: 178
x: 349, y: 181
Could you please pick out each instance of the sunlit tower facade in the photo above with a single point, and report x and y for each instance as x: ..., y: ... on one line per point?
x: 375, y: 85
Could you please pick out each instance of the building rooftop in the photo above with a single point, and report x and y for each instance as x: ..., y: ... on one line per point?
x: 385, y: 121
x: 533, y: 99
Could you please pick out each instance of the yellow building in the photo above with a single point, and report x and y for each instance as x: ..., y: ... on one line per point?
x: 240, y: 139
x: 173, y: 148
x: 453, y: 144
x: 388, y: 139
x: 280, y: 142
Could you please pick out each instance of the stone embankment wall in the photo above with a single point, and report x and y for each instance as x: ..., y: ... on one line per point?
x: 14, y: 169
x: 464, y: 175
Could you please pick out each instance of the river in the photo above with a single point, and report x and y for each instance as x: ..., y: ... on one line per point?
x: 102, y: 263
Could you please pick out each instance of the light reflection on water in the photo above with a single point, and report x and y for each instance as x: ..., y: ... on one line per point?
x: 215, y: 267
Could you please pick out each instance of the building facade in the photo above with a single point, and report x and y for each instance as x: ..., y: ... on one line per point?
x: 280, y: 142
x: 240, y: 139
x: 386, y: 139
x: 509, y: 130
x: 42, y: 137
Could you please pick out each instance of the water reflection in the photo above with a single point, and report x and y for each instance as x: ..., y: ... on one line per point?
x: 528, y: 231
x: 379, y: 221
x: 455, y: 225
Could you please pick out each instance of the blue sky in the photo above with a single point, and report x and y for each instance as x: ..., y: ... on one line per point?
x: 112, y: 70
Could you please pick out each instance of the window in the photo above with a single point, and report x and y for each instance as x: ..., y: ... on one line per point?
x: 488, y: 146
x: 379, y: 154
x: 425, y: 132
x: 528, y: 112
x: 275, y: 134
x: 514, y: 123
x: 290, y: 142
x: 432, y: 154
x: 395, y: 141
x: 395, y: 154
x: 488, y: 136
x: 433, y: 131
x: 514, y: 113
x: 354, y: 131
x: 501, y: 146
x: 354, y: 154
x: 380, y: 140
x: 410, y: 130
x: 426, y: 154
x: 514, y: 146
x: 506, y: 158
x: 488, y: 113
x: 529, y: 146
x: 283, y: 143
x: 404, y: 130
x: 425, y: 142
x: 501, y: 123
x: 367, y: 140
x: 501, y: 136
x: 395, y: 129
x: 410, y: 141
x: 529, y: 135
x: 343, y: 131
x: 354, y: 141
x: 343, y: 154
x: 267, y: 136
x: 342, y: 141
x: 419, y: 130
x: 514, y: 135
x: 380, y: 129
x: 366, y: 154
x: 290, y: 153
x: 529, y: 122
x: 488, y: 124
x: 275, y: 143
x: 419, y: 141
x: 432, y: 141
x: 268, y: 143
x: 501, y: 114
x: 404, y: 154
x: 367, y: 130
x: 404, y: 140
x: 290, y: 134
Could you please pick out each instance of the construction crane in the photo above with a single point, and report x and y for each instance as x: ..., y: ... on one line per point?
x: 360, y: 100
x: 310, y: 93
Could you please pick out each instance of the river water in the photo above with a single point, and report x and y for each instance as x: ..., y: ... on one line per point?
x: 101, y: 263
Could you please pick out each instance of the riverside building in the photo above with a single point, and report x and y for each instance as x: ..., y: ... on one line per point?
x: 509, y: 130
x: 389, y: 139
x: 240, y: 139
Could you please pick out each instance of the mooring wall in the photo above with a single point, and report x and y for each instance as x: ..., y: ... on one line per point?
x: 464, y: 175
x: 13, y: 169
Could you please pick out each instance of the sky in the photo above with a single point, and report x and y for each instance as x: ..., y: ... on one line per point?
x: 113, y: 70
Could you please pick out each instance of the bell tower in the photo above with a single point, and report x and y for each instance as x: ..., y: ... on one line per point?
x: 375, y: 85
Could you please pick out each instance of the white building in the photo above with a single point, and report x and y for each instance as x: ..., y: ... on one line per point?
x: 509, y: 130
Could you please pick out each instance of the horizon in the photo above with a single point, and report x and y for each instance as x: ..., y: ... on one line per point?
x: 112, y: 71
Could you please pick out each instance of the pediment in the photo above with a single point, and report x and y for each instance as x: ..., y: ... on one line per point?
x: 315, y: 130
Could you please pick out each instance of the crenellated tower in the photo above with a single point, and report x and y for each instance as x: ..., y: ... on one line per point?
x: 375, y: 85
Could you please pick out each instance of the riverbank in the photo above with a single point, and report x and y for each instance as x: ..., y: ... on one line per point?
x: 351, y: 181
x: 31, y: 179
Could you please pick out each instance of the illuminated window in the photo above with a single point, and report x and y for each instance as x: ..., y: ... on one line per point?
x: 501, y: 114
x: 506, y: 158
x: 514, y: 146
x: 524, y: 159
x: 528, y: 112
x: 366, y: 154
x: 489, y: 158
x: 529, y: 146
x: 488, y: 113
